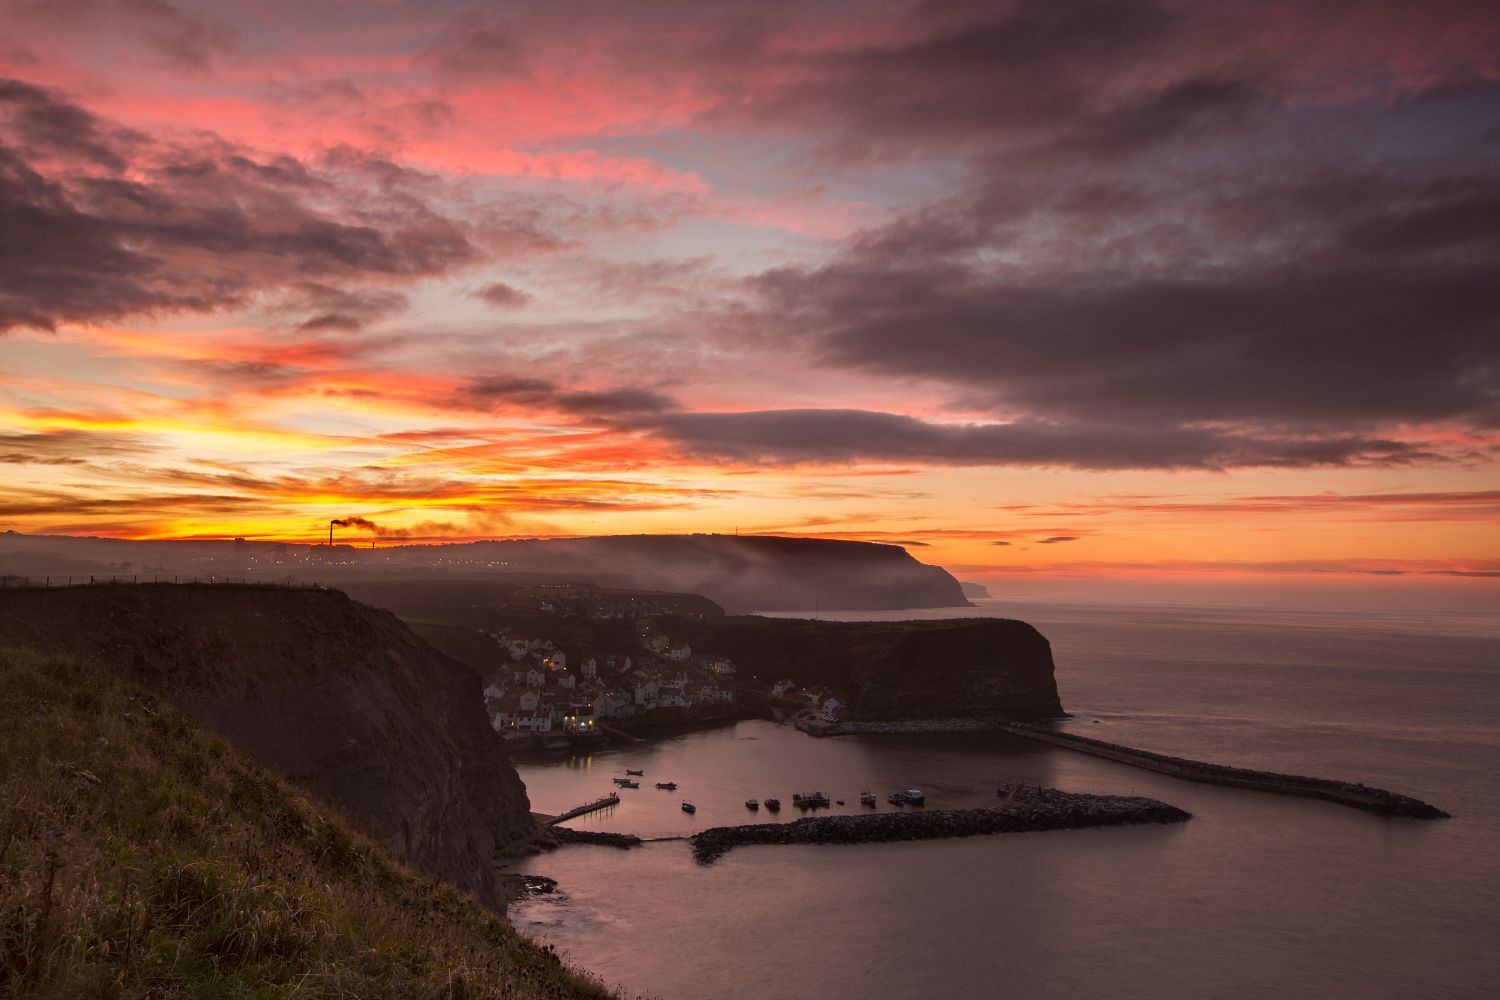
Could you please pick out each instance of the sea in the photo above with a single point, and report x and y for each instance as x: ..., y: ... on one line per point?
x: 1258, y: 895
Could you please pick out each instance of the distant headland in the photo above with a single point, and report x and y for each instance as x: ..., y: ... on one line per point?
x: 740, y: 573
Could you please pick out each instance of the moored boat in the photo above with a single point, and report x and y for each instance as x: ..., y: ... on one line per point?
x: 809, y: 800
x: 773, y: 804
x: 751, y: 804
x: 910, y: 797
x: 867, y: 798
x: 630, y: 784
x: 670, y: 786
x: 688, y: 807
x: 636, y: 773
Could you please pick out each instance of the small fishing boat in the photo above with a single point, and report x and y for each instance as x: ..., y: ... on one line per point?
x: 910, y: 797
x: 867, y: 798
x: 620, y: 781
x: 630, y: 784
x: 838, y: 802
x: 773, y: 804
x: 688, y: 807
x: 809, y: 800
x: 751, y: 804
x: 636, y: 773
x: 670, y: 786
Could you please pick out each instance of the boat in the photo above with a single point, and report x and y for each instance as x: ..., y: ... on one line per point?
x: 751, y: 804
x: 773, y: 804
x: 636, y: 773
x: 867, y: 798
x: 627, y: 783
x: 688, y: 807
x: 838, y: 802
x: 809, y: 800
x: 670, y: 786
x: 910, y: 797
x: 620, y: 781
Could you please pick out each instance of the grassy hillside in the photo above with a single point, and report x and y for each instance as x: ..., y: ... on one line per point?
x: 141, y: 856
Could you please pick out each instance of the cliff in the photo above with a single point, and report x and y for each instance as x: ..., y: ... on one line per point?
x: 741, y: 573
x: 960, y: 667
x: 342, y: 698
x: 142, y: 856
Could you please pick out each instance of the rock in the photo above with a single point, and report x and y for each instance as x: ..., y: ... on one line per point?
x: 340, y: 697
x: 1047, y: 809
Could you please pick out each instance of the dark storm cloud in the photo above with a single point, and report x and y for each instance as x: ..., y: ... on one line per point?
x: 1295, y: 321
x: 492, y: 392
x: 841, y: 436
x: 187, y: 229
x: 974, y: 75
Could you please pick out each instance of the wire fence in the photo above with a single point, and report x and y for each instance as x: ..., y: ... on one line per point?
x: 12, y: 582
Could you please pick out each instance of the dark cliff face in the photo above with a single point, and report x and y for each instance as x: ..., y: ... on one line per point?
x: 896, y: 670
x: 341, y: 697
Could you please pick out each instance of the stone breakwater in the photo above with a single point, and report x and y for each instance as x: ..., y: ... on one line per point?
x: 1047, y: 809
x: 821, y: 727
x: 1377, y: 800
x: 567, y: 835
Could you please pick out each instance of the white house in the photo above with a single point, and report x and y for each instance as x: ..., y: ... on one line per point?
x: 670, y: 697
x: 830, y: 706
x: 646, y: 691
x: 590, y: 668
x: 529, y: 700
x: 611, y: 703
x: 681, y: 653
x: 566, y: 680
x: 534, y: 724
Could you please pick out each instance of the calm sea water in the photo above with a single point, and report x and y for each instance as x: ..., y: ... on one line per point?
x: 1259, y: 895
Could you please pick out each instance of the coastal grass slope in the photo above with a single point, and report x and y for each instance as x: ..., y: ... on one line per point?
x: 142, y: 856
x: 1044, y: 809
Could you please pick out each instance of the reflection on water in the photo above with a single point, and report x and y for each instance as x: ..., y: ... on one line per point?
x: 1258, y: 895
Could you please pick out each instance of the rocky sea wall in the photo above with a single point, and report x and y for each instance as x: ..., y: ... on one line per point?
x: 1349, y: 793
x: 1046, y: 809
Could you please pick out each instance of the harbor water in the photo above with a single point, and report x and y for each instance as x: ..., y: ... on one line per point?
x: 1258, y: 895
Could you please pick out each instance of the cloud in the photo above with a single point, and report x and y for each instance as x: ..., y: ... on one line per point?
x: 69, y: 447
x: 1055, y: 539
x: 502, y: 296
x: 193, y: 228
x: 1000, y: 542
x: 490, y: 392
x: 844, y: 436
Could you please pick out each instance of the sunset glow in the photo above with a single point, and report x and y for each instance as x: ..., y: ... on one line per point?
x: 1029, y: 288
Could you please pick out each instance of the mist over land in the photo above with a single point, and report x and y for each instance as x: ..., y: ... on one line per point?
x: 741, y: 573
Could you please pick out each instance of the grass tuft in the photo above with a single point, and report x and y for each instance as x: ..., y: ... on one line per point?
x: 141, y: 856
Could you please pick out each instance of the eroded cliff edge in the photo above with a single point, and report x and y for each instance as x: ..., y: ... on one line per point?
x: 341, y: 697
x: 961, y: 667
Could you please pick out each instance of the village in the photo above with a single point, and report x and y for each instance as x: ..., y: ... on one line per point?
x: 542, y: 692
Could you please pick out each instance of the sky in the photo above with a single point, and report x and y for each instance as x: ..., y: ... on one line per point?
x: 1206, y: 290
